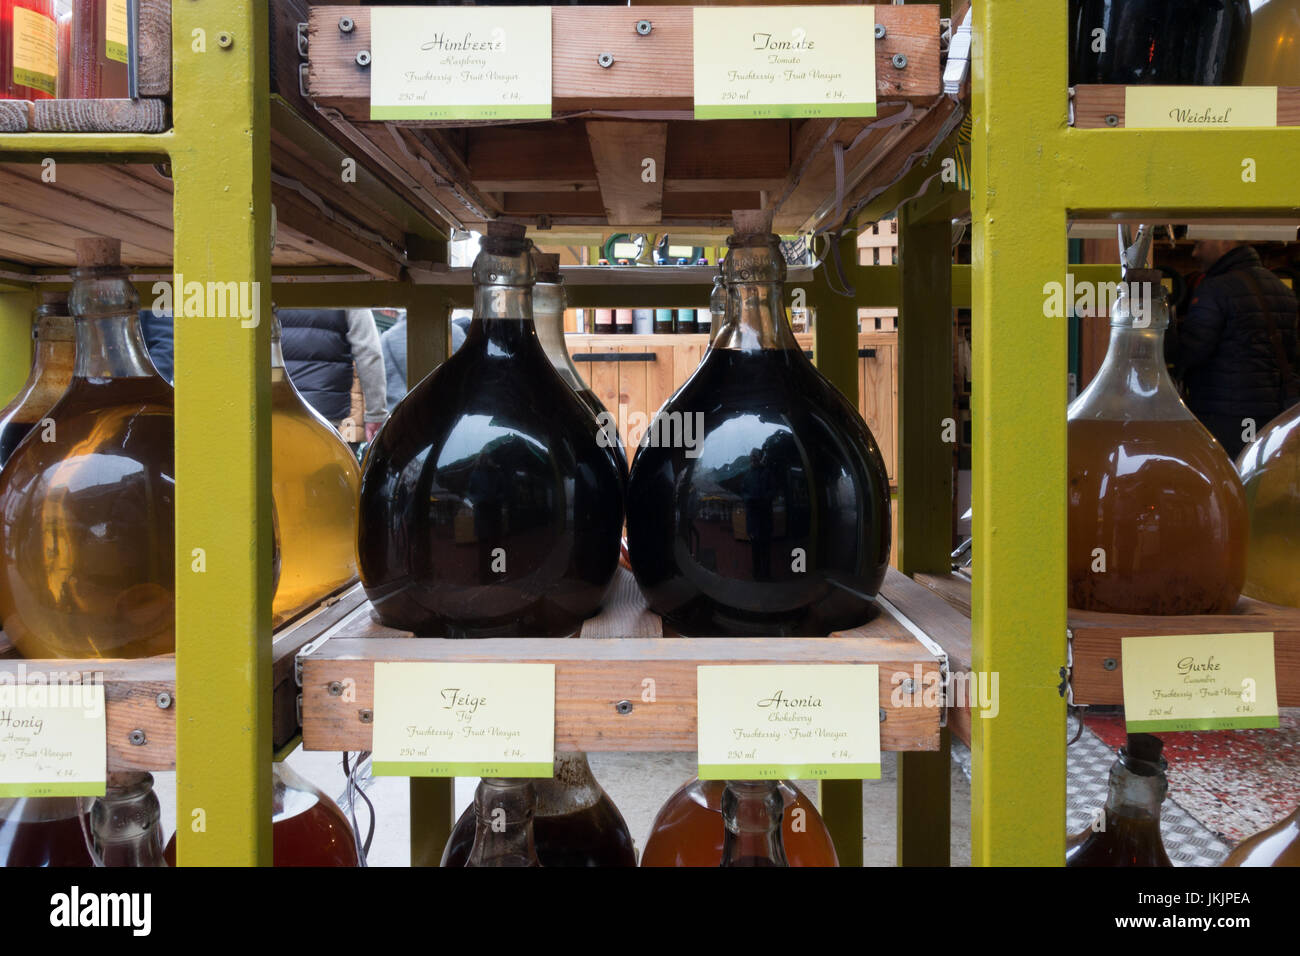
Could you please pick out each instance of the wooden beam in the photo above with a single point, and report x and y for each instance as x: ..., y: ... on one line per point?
x: 652, y: 73
x: 629, y: 159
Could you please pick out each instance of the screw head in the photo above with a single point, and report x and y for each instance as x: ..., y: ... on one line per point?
x: 908, y: 686
x: 899, y: 60
x: 623, y: 707
x: 882, y: 715
x: 363, y: 58
x: 346, y: 24
x: 137, y: 738
x: 1110, y: 663
x: 225, y: 40
x: 164, y: 700
x: 335, y: 689
x: 880, y: 31
x: 644, y: 27
x: 366, y: 716
x: 606, y: 60
x: 1112, y: 119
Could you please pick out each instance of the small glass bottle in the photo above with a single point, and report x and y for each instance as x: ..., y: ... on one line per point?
x: 575, y: 823
x: 503, y: 824
x: 126, y: 823
x: 751, y: 814
x: 87, y: 540
x: 1128, y: 833
x: 99, y: 47
x: 663, y: 321
x: 1156, y: 512
x: 717, y: 307
x: 315, y: 483
x: 1279, y: 845
x: 53, y: 359
x: 688, y: 830
x: 1270, y: 474
x: 686, y: 322
x: 624, y: 321
x: 603, y: 323
x: 29, y: 50
x: 42, y: 831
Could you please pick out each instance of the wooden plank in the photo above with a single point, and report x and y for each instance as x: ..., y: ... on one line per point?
x: 943, y: 624
x: 659, y: 385
x: 131, y: 689
x: 727, y: 151
x: 498, y: 157
x: 15, y: 116
x: 604, y: 379
x: 629, y: 158
x: 100, y: 116
x: 687, y: 358
x: 154, y: 61
x: 649, y: 74
x: 879, y: 402
x: 953, y: 588
x: 335, y: 240
x: 1098, y: 106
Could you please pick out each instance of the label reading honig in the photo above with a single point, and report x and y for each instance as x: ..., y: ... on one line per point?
x: 53, y: 737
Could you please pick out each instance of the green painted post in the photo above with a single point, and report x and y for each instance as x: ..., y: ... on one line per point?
x: 15, y: 342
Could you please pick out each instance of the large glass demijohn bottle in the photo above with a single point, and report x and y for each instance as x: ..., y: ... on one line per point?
x: 53, y: 357
x: 315, y: 481
x: 1270, y: 472
x: 1127, y: 832
x: 548, y: 319
x: 488, y: 506
x: 758, y: 503
x: 86, y: 517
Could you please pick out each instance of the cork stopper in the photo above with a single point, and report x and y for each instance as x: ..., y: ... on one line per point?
x: 506, y: 230
x: 95, y: 251
x: 748, y: 222
x: 548, y: 266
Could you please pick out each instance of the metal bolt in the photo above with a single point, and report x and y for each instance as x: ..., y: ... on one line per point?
x: 137, y: 738
x: 164, y: 700
x: 908, y: 686
x: 882, y: 715
x: 335, y: 689
x: 900, y: 61
x: 225, y: 40
x: 606, y: 60
x: 623, y: 707
x: 880, y: 31
x: 346, y: 24
x: 363, y: 58
x: 1112, y: 119
x: 644, y: 27
x: 1110, y: 663
x: 366, y: 716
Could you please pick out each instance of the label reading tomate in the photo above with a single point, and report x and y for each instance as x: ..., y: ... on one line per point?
x: 115, y: 30
x: 36, y: 61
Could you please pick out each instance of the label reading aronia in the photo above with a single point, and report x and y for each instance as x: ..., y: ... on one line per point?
x: 53, y: 739
x: 1199, y: 682
x: 460, y: 63
x: 1199, y: 107
x: 763, y: 62
x: 464, y: 720
x: 789, y: 721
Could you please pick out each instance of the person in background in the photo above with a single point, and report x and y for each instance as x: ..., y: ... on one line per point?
x: 393, y: 346
x: 321, y: 346
x: 156, y: 327
x: 1235, y: 351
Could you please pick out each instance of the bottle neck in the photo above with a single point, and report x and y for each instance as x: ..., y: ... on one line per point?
x: 503, y: 319
x: 751, y: 813
x: 1135, y: 796
x: 125, y: 823
x: 107, y: 311
x: 548, y: 321
x: 573, y: 787
x: 755, y: 307
x: 503, y: 824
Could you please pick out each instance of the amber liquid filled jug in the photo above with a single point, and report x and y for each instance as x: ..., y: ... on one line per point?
x: 1156, y: 513
x: 53, y: 359
x: 43, y: 831
x: 1279, y: 845
x: 1127, y: 832
x: 1270, y: 473
x: 86, y: 513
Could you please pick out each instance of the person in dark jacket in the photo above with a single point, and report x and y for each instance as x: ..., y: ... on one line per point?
x: 320, y: 348
x: 1236, y: 349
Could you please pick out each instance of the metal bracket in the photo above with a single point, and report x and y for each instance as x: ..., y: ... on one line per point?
x: 1067, y: 687
x: 302, y: 80
x: 302, y: 40
x: 302, y: 653
x: 957, y: 68
x: 930, y: 645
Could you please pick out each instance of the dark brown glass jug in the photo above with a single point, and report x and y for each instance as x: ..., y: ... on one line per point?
x: 1128, y: 831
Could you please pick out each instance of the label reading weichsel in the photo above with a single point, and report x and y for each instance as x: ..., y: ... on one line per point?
x: 1199, y: 682
x: 115, y: 30
x: 460, y: 63
x: 1200, y: 107
x: 464, y: 720
x: 36, y: 58
x: 764, y: 62
x: 789, y: 721
x: 53, y: 738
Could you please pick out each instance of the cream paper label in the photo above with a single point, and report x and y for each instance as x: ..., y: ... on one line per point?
x: 1199, y: 107
x: 464, y: 720
x: 789, y: 721
x: 763, y: 62
x: 53, y: 739
x: 1199, y: 682
x: 460, y: 63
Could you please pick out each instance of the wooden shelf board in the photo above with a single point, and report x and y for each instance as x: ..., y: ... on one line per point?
x: 605, y: 276
x: 593, y: 675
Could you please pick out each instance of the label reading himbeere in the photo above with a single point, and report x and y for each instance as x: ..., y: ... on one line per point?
x: 464, y: 720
